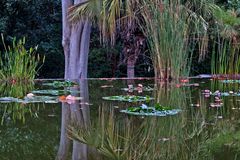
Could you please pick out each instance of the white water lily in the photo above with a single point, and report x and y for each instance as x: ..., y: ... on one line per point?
x: 144, y: 106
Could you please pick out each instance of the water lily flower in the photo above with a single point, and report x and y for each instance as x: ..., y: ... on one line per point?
x: 70, y: 97
x: 144, y: 106
x: 30, y: 95
x: 231, y: 92
x: 140, y: 88
x: 130, y: 88
x: 184, y: 80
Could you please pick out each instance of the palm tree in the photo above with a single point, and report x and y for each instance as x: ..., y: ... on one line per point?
x: 113, y: 16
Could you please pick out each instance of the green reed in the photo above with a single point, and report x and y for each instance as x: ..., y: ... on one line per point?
x: 225, y: 58
x: 18, y: 63
x: 171, y: 37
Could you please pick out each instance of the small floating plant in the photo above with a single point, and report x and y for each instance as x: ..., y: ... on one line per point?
x: 128, y: 98
x: 156, y: 110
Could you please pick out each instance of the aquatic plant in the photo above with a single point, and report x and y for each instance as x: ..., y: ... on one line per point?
x: 225, y: 54
x: 171, y: 39
x: 156, y: 110
x: 18, y: 63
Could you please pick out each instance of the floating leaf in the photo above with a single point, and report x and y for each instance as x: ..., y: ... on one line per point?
x: 230, y: 81
x: 151, y: 112
x: 58, y: 84
x: 128, y: 98
x: 8, y: 99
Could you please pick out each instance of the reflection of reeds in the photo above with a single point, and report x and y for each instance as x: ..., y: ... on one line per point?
x: 134, y: 138
x: 184, y: 136
x: 17, y: 111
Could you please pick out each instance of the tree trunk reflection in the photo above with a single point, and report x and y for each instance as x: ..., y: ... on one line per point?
x: 77, y: 114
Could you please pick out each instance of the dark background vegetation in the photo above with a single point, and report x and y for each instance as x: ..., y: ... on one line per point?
x: 40, y: 23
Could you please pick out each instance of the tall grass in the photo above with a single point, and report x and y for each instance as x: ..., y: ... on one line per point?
x: 167, y: 31
x: 225, y: 58
x: 18, y: 63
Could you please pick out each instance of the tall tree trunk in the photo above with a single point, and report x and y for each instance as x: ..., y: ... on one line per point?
x: 131, y: 67
x: 66, y: 33
x: 76, y: 39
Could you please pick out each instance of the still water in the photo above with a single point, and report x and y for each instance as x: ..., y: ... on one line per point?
x: 85, y: 126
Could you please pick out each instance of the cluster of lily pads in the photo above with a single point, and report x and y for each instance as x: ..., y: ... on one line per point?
x: 143, y: 110
x: 156, y: 110
x: 42, y: 96
x: 59, y: 84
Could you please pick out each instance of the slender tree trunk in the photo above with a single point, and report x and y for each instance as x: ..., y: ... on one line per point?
x: 66, y: 33
x: 76, y: 39
x: 131, y: 67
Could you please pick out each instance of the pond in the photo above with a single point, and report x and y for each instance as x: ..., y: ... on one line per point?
x: 120, y: 119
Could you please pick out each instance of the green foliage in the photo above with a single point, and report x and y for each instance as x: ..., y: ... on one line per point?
x: 168, y: 37
x: 233, y: 4
x: 17, y: 63
x: 40, y: 23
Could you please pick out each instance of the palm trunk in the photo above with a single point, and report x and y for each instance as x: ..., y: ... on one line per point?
x: 130, y: 68
x: 76, y: 39
x: 66, y: 33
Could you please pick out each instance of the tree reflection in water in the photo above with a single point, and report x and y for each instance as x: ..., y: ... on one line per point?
x: 76, y: 114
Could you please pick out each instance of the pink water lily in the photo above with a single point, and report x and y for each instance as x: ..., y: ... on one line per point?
x: 30, y: 95
x: 70, y: 97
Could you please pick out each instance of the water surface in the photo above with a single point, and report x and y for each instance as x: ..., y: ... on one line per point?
x: 92, y: 128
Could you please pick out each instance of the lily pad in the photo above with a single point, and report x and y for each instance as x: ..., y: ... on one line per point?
x: 128, y: 98
x: 8, y: 99
x: 55, y: 92
x: 59, y: 84
x: 230, y: 81
x: 34, y: 99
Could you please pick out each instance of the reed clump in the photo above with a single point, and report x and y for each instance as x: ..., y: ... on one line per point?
x: 18, y: 63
